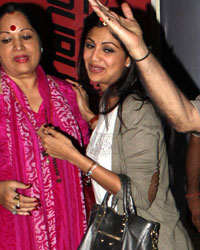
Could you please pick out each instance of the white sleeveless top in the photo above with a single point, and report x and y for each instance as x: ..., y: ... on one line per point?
x: 100, y: 148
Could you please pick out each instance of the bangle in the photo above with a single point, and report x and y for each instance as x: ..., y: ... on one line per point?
x: 92, y: 168
x: 141, y: 59
x: 191, y: 194
x: 92, y: 120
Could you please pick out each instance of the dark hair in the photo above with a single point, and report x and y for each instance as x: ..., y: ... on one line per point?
x: 126, y: 85
x: 32, y: 12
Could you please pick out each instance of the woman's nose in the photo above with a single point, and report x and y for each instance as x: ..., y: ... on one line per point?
x: 18, y: 44
x: 96, y: 55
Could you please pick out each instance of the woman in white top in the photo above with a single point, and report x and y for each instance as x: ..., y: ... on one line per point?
x: 128, y: 137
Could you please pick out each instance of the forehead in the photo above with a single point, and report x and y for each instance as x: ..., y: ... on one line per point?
x: 17, y: 19
x: 102, y: 34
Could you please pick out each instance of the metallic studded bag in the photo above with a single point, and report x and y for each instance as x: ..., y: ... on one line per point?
x: 108, y: 230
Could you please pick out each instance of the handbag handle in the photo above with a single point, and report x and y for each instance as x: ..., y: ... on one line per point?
x: 128, y: 202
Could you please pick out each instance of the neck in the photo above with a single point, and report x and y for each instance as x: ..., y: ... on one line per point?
x: 112, y: 101
x: 26, y: 84
x: 29, y: 86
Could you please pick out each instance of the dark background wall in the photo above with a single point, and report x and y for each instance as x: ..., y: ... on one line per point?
x: 180, y: 20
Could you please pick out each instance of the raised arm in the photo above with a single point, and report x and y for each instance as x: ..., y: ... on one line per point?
x: 170, y: 100
x: 193, y: 179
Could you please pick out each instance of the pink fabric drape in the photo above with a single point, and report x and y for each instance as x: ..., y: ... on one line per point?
x: 60, y: 222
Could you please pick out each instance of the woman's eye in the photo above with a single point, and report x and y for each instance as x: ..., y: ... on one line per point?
x: 6, y: 40
x: 89, y: 45
x: 26, y: 37
x: 109, y: 50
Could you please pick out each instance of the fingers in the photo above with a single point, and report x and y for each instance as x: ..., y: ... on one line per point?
x: 99, y: 8
x: 43, y: 131
x: 74, y: 84
x: 15, y: 202
x: 52, y: 140
x: 127, y: 11
x: 40, y: 131
x: 78, y: 88
x: 98, y: 4
x: 51, y: 132
x: 20, y: 185
x: 24, y: 205
x: 109, y: 18
x: 18, y: 203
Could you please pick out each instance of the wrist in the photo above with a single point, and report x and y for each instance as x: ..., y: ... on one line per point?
x: 142, y: 52
x: 92, y: 167
x: 192, y: 194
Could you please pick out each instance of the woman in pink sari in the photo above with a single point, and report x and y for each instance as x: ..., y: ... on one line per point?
x: 41, y: 198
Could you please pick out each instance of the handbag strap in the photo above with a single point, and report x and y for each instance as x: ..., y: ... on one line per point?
x: 131, y: 205
x: 128, y: 202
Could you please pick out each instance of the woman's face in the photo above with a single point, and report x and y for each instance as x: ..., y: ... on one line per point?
x: 104, y: 57
x: 19, y: 46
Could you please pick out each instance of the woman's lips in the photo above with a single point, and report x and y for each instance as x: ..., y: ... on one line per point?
x: 21, y: 59
x: 95, y: 68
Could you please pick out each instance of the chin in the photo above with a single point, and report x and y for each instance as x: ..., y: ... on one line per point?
x: 95, y: 80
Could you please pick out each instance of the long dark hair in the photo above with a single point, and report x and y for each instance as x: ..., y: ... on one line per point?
x: 126, y: 85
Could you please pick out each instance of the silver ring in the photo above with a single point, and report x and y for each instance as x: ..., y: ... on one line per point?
x: 17, y: 206
x: 14, y: 212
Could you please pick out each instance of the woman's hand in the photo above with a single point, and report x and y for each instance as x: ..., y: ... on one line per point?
x: 57, y: 145
x: 14, y: 202
x: 127, y: 29
x: 82, y: 100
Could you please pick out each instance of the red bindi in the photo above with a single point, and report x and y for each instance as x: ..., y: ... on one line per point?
x: 12, y: 27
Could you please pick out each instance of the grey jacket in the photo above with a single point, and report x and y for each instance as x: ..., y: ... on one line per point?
x: 139, y: 151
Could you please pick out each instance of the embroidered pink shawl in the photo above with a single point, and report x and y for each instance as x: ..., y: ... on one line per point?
x: 60, y: 222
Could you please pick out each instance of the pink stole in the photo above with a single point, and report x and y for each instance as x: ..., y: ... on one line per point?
x: 60, y: 222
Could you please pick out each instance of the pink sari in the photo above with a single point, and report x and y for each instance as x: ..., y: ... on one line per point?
x: 60, y: 222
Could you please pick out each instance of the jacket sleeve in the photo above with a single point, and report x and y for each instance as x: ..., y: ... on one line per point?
x: 141, y: 145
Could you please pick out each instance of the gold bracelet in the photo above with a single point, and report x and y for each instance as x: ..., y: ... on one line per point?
x: 92, y: 168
